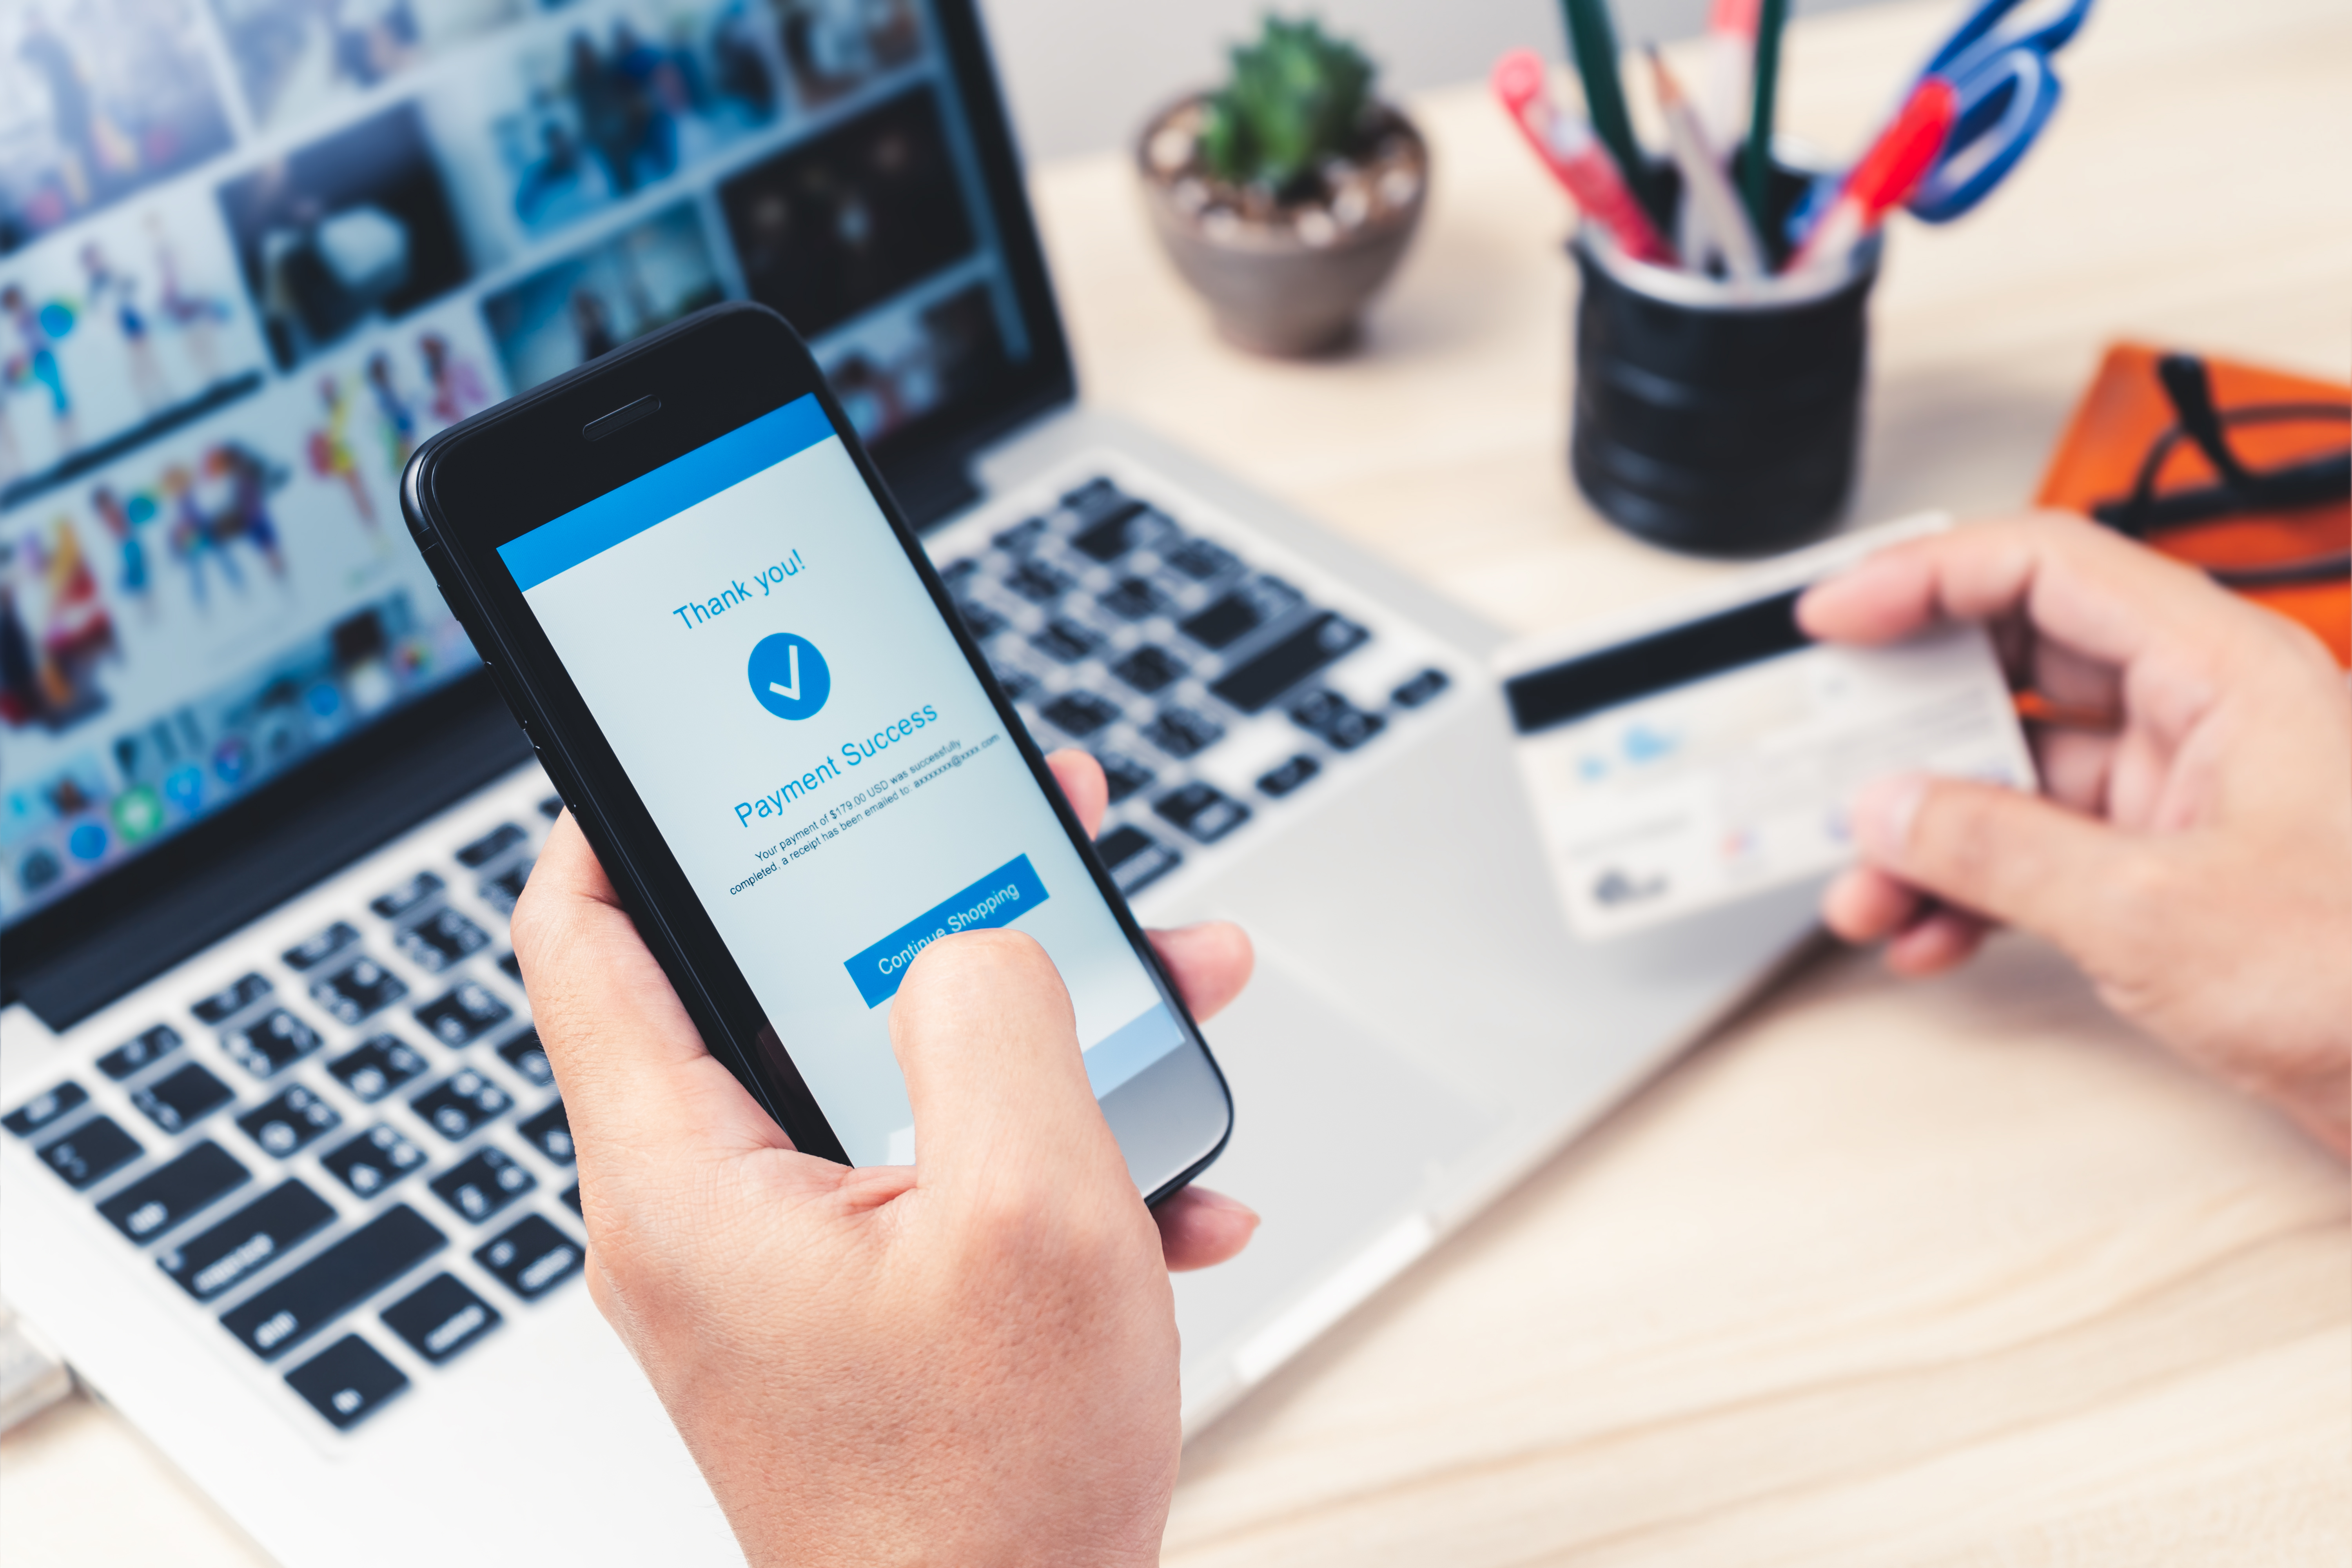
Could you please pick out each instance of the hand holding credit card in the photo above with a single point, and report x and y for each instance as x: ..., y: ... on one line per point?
x: 1708, y: 751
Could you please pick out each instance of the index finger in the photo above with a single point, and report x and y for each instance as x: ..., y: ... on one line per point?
x: 630, y: 1063
x: 2071, y: 581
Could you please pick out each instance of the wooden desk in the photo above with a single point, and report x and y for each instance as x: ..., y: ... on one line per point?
x: 1943, y: 1273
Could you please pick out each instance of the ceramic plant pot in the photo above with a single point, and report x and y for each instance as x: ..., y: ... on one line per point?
x: 1286, y: 277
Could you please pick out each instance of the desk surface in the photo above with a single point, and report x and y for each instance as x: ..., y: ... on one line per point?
x: 1882, y: 1273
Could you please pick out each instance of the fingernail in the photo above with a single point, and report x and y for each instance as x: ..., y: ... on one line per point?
x: 1210, y: 1198
x: 1883, y: 813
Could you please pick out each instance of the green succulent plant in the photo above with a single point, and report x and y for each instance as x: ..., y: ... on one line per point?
x: 1296, y: 98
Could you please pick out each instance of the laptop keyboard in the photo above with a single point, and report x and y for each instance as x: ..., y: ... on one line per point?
x: 350, y: 1157
x: 349, y: 1154
x: 1217, y: 684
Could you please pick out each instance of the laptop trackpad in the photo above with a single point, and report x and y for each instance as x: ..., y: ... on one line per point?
x: 1334, y: 1134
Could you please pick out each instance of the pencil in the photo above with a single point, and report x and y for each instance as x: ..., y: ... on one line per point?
x: 1707, y: 190
x: 1755, y: 158
x: 1594, y: 43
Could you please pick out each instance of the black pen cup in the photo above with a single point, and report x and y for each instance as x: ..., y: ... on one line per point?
x: 1713, y: 417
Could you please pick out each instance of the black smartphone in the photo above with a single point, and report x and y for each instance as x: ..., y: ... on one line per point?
x: 691, y: 585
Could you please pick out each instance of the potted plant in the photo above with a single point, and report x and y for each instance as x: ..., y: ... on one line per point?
x: 1287, y: 197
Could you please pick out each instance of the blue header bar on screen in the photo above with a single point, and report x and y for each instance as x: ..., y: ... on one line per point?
x: 622, y: 514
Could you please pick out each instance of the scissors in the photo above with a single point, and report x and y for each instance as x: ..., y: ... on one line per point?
x: 2006, y: 92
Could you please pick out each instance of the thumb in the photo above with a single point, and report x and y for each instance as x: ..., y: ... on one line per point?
x: 983, y: 1033
x: 2011, y: 857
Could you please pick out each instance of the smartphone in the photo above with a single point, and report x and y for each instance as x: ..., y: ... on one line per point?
x: 737, y: 666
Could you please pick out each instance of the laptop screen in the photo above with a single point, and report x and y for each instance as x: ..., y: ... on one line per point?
x: 253, y: 251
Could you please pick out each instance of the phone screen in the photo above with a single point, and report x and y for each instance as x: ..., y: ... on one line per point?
x: 820, y: 757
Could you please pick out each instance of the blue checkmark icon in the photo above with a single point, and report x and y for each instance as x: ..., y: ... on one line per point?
x: 788, y: 677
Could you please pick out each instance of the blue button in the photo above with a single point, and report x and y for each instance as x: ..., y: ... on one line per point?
x: 999, y: 898
x: 789, y: 676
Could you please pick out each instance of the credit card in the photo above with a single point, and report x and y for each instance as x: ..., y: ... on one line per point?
x: 1709, y: 751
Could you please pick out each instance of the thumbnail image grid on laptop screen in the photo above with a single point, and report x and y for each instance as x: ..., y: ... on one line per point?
x: 252, y: 252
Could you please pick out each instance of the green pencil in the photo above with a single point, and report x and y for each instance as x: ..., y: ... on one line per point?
x: 1755, y: 158
x: 1594, y: 43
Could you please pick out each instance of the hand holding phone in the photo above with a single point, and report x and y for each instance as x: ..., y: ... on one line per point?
x: 827, y: 1339
x: 756, y: 696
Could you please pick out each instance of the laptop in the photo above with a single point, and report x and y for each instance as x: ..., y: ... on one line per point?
x: 285, y: 1175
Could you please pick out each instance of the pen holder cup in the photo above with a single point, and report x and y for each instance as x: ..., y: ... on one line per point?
x: 1716, y: 417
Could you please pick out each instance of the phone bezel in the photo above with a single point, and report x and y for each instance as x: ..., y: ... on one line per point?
x: 513, y: 467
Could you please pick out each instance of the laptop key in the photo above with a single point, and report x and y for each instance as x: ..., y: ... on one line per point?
x: 1133, y: 599
x: 283, y: 1315
x: 1123, y: 774
x: 271, y: 1043
x: 373, y: 1160
x: 221, y: 1005
x: 91, y: 1152
x: 512, y: 966
x: 1079, y: 713
x: 1279, y: 781
x: 481, y: 1186
x: 290, y: 1123
x: 526, y: 1056
x: 1124, y: 527
x: 178, y: 1101
x: 463, y: 1014
x: 958, y: 572
x: 348, y: 1382
x: 1149, y: 669
x: 1241, y: 612
x: 530, y: 1258
x: 1420, y: 688
x: 53, y: 1103
x: 140, y: 1052
x: 1313, y: 648
x: 979, y: 619
x: 1201, y: 559
x: 550, y: 1132
x: 312, y: 951
x: 454, y: 1108
x: 1065, y: 641
x: 551, y: 807
x: 572, y: 1199
x: 162, y: 1198
x: 1201, y: 810
x: 441, y: 1318
x: 1181, y: 733
x: 241, y: 1246
x: 1094, y: 498
x: 502, y: 892
x: 376, y: 1067
x: 1135, y: 858
x: 1037, y: 583
x: 365, y: 987
x: 409, y: 895
x: 1341, y: 724
x: 440, y: 940
x: 490, y: 846
x: 1022, y: 537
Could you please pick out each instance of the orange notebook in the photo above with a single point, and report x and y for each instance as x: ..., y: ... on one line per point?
x: 2125, y: 410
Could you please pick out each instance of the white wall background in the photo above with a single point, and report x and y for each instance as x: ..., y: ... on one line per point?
x: 1083, y: 74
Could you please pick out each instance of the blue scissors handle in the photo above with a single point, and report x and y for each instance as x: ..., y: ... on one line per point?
x: 2000, y: 112
x: 1981, y: 38
x: 2005, y: 91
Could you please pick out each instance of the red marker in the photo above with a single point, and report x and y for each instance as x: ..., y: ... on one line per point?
x: 1577, y: 158
x: 1885, y: 177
